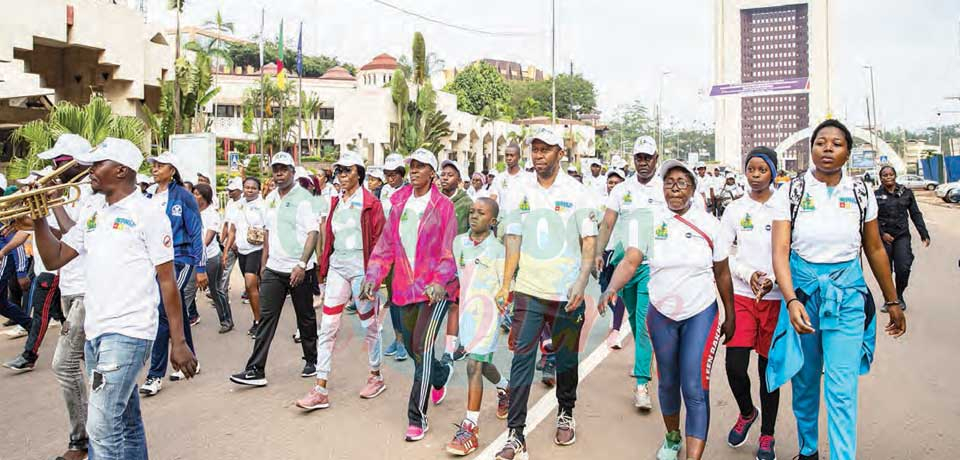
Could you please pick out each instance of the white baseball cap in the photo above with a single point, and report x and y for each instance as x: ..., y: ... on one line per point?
x: 670, y: 164
x: 423, y: 156
x: 528, y: 164
x: 377, y: 171
x: 144, y: 179
x: 700, y: 164
x: 300, y: 172
x: 645, y: 145
x: 616, y: 172
x: 595, y: 161
x: 67, y: 144
x: 117, y: 150
x: 235, y: 184
x: 393, y: 162
x: 455, y: 165
x: 572, y: 168
x: 547, y: 136
x: 282, y: 158
x: 166, y: 158
x: 618, y: 162
x: 349, y: 158
x: 34, y: 175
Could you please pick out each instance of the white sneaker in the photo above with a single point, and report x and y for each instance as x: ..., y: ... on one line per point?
x: 641, y: 398
x: 16, y: 332
x: 152, y: 386
x: 178, y: 375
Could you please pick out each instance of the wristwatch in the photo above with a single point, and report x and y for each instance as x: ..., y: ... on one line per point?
x: 302, y: 264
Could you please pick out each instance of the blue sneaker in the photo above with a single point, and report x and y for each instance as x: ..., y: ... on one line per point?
x: 670, y: 449
x: 738, y: 434
x: 391, y: 350
x: 766, y: 449
x: 401, y: 354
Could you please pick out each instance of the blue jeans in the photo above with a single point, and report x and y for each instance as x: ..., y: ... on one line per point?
x: 114, y: 425
x: 161, y: 345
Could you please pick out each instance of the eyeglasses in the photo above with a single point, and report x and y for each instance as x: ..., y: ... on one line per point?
x: 680, y: 184
x: 342, y: 170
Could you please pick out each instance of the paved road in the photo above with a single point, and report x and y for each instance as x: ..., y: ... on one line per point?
x: 908, y: 405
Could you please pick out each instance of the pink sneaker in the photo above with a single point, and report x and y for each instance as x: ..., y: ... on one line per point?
x: 415, y: 433
x: 314, y: 400
x: 437, y: 395
x: 374, y: 387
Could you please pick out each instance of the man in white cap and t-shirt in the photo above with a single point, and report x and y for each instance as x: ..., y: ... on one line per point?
x: 549, y: 284
x: 126, y: 241
x: 394, y: 170
x: 234, y: 195
x: 293, y: 221
x: 504, y: 183
x: 634, y: 200
x: 595, y: 181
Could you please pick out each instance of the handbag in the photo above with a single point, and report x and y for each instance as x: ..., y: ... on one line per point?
x: 255, y: 235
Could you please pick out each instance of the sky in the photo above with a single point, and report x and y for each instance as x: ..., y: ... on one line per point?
x: 624, y: 47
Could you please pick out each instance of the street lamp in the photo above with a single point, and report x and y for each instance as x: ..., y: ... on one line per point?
x: 663, y: 76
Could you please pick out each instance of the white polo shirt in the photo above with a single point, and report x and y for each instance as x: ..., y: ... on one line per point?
x: 628, y: 198
x: 551, y: 222
x: 682, y: 283
x: 597, y: 184
x: 748, y: 224
x: 211, y: 221
x: 386, y: 192
x: 289, y: 220
x: 248, y: 214
x: 347, y: 256
x: 504, y: 184
x: 827, y: 229
x: 123, y: 244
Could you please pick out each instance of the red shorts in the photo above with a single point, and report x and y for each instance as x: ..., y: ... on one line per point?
x: 756, y: 322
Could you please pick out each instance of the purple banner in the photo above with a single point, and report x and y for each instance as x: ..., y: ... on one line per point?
x: 760, y: 87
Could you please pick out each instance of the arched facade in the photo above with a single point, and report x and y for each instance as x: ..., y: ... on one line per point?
x: 882, y: 147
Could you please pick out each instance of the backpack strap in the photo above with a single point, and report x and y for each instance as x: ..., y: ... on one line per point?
x: 696, y: 229
x: 798, y: 186
x: 861, y: 195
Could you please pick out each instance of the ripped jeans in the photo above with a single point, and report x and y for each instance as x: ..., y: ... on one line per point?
x: 114, y: 424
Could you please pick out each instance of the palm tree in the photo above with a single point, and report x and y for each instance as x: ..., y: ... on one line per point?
x: 178, y: 6
x: 216, y: 48
x: 94, y: 121
x: 310, y: 104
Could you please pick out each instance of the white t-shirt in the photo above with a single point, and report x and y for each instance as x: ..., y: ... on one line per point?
x: 551, y: 221
x: 480, y: 271
x: 386, y: 192
x: 123, y: 244
x: 827, y: 229
x: 475, y: 194
x: 682, y: 283
x: 248, y: 214
x: 634, y: 202
x: 504, y: 184
x: 596, y: 184
x: 73, y: 279
x: 289, y: 220
x: 211, y: 221
x: 748, y: 224
x: 410, y: 224
x: 347, y: 256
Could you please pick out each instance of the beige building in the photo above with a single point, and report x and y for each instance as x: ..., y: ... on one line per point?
x: 56, y: 50
x: 359, y: 111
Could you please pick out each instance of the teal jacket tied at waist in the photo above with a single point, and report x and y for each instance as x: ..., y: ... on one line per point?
x: 829, y: 286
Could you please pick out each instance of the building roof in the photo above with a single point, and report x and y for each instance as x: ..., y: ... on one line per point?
x: 209, y: 33
x: 382, y: 62
x: 338, y: 73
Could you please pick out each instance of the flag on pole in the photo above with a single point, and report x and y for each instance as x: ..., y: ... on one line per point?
x: 281, y: 78
x: 262, y: 12
x: 300, y: 51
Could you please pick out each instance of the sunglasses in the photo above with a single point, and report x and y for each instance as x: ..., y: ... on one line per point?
x: 343, y: 170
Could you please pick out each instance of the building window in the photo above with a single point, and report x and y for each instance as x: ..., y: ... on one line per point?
x: 326, y: 113
x: 225, y: 111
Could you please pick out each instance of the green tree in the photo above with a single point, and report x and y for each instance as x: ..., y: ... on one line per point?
x: 633, y: 121
x: 419, y: 123
x: 575, y: 96
x: 478, y: 86
x: 271, y: 127
x: 178, y: 6
x: 248, y: 54
x: 94, y: 121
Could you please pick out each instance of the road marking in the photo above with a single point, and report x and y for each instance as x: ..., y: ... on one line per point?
x: 548, y: 402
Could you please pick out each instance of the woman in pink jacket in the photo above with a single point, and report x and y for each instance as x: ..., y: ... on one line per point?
x: 417, y: 243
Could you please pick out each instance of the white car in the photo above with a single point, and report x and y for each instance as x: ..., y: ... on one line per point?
x: 943, y: 190
x: 914, y: 182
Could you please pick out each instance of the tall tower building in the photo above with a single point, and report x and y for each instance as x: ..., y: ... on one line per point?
x: 772, y: 66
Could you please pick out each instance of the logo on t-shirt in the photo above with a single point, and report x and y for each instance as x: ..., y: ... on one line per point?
x: 92, y: 222
x: 847, y: 202
x: 628, y: 198
x: 525, y: 204
x: 166, y: 241
x: 121, y: 223
x: 746, y: 223
x: 807, y: 203
x: 176, y: 210
x: 661, y: 232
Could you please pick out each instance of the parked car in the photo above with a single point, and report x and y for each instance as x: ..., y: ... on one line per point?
x: 943, y: 190
x: 914, y: 182
x: 954, y: 196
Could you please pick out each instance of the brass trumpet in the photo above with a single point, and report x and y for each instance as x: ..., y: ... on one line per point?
x: 36, y: 202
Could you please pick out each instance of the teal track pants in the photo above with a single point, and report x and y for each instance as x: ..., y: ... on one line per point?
x: 636, y: 299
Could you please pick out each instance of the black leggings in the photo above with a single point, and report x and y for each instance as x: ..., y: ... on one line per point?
x: 738, y: 360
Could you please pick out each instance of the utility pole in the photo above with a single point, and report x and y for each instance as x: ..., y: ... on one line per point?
x: 663, y: 75
x: 553, y: 61
x: 873, y: 97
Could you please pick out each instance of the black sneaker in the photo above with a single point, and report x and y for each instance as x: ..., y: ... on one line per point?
x: 250, y: 377
x: 252, y: 332
x: 351, y: 309
x: 309, y: 370
x: 20, y: 364
x: 814, y: 456
x: 9, y: 323
x: 460, y: 353
x: 549, y: 377
x: 224, y: 328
